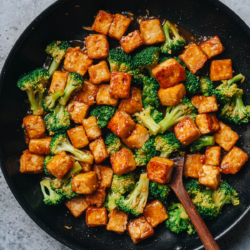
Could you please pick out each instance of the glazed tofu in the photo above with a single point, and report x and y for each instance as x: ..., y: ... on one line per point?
x: 104, y: 97
x: 233, y: 161
x: 40, y: 146
x: 221, y: 70
x: 155, y: 213
x: 212, y: 47
x: 193, y: 163
x: 209, y: 176
x: 139, y: 229
x: 58, y: 82
x: 77, y: 205
x: 132, y: 41
x: 173, y: 95
x: 98, y: 150
x: 99, y: 73
x: 160, y: 169
x: 120, y: 84
x: 91, y: 128
x: 121, y: 124
x: 119, y: 26
x: 186, y: 131
x: 118, y: 221
x: 97, y: 198
x: 85, y: 183
x: 97, y: 46
x: 31, y: 163
x: 226, y: 137
x: 77, y: 110
x: 212, y: 155
x: 78, y: 137
x: 207, y: 123
x: 205, y: 104
x: 169, y: 73
x: 34, y: 126
x: 102, y: 22
x: 77, y: 61
x: 96, y: 216
x: 193, y: 57
x: 86, y: 167
x: 104, y: 174
x: 123, y: 161
x: 151, y: 31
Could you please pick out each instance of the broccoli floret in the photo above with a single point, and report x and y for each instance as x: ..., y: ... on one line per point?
x: 137, y: 76
x: 163, y: 59
x: 34, y: 83
x: 159, y: 191
x: 112, y: 200
x: 113, y: 143
x: 207, y: 87
x: 49, y: 101
x: 192, y: 83
x: 203, y: 141
x: 47, y: 159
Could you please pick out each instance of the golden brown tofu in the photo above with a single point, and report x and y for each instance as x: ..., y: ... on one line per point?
x: 31, y: 163
x: 86, y: 167
x: 207, y: 123
x: 77, y: 61
x: 98, y: 150
x: 155, y: 213
x: 118, y: 221
x: 91, y: 128
x: 121, y: 124
x: 119, y: 26
x: 99, y: 73
x: 160, y: 169
x: 120, y: 84
x: 221, y: 70
x: 132, y: 41
x: 139, y: 229
x: 186, y: 131
x: 212, y: 47
x: 40, y: 146
x: 233, y: 161
x: 78, y: 137
x: 85, y: 183
x: 209, y: 176
x: 205, y: 104
x: 151, y: 31
x: 123, y: 161
x: 168, y: 73
x: 173, y: 95
x: 96, y: 216
x: 192, y: 165
x: 77, y: 205
x: 97, y: 198
x: 226, y: 137
x: 34, y: 126
x: 193, y: 57
x: 77, y: 110
x: 104, y: 174
x: 59, y: 80
x: 97, y: 46
x: 102, y: 22
x: 103, y: 96
x: 212, y: 155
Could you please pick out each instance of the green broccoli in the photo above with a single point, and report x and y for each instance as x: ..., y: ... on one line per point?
x: 156, y: 115
x: 49, y: 100
x: 47, y: 159
x: 113, y: 143
x: 159, y: 191
x: 137, y: 76
x: 207, y: 87
x: 192, y: 83
x: 203, y: 141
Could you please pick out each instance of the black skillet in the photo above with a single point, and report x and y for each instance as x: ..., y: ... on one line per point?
x: 63, y: 21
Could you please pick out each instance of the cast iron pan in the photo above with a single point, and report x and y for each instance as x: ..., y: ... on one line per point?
x: 63, y: 21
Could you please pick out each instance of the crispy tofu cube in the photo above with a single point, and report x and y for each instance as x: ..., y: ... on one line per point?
x: 98, y: 150
x: 151, y: 31
x: 168, y: 73
x: 77, y: 61
x: 119, y: 26
x: 99, y: 73
x: 192, y: 165
x: 85, y: 183
x: 221, y: 70
x: 173, y: 95
x: 104, y: 97
x: 92, y: 129
x: 31, y: 163
x: 137, y: 138
x: 40, y: 146
x: 139, y: 229
x: 104, y: 174
x: 59, y: 80
x: 34, y: 126
x: 205, y: 104
x: 96, y: 216
x: 155, y: 213
x: 193, y: 57
x: 132, y: 104
x: 102, y: 22
x: 121, y: 124
x: 120, y: 84
x: 212, y: 155
x: 86, y: 167
x: 212, y: 47
x: 132, y: 41
x: 78, y: 137
x: 123, y: 161
x: 160, y: 169
x: 97, y: 46
x: 233, y: 161
x: 209, y: 176
x: 118, y: 221
x: 97, y: 198
x: 226, y: 137
x: 77, y: 205
x: 77, y: 110
x: 186, y: 131
x: 207, y: 123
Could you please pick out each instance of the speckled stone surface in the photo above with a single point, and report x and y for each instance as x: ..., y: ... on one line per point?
x: 17, y: 230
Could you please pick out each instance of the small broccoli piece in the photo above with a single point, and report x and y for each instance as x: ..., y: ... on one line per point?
x: 137, y: 76
x: 163, y: 59
x: 203, y: 141
x: 207, y: 87
x: 156, y: 115
x: 192, y: 83
x: 49, y: 101
x: 47, y: 159
x: 112, y: 200
x: 113, y: 143
x: 159, y: 191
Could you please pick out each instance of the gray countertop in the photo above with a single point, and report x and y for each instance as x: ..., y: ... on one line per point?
x: 17, y: 230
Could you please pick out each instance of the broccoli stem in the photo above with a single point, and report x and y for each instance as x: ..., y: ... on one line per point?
x: 174, y: 31
x: 236, y: 79
x: 165, y: 154
x: 240, y: 107
x: 166, y: 28
x: 50, y: 100
x: 53, y: 67
x: 33, y: 104
x: 75, y: 170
